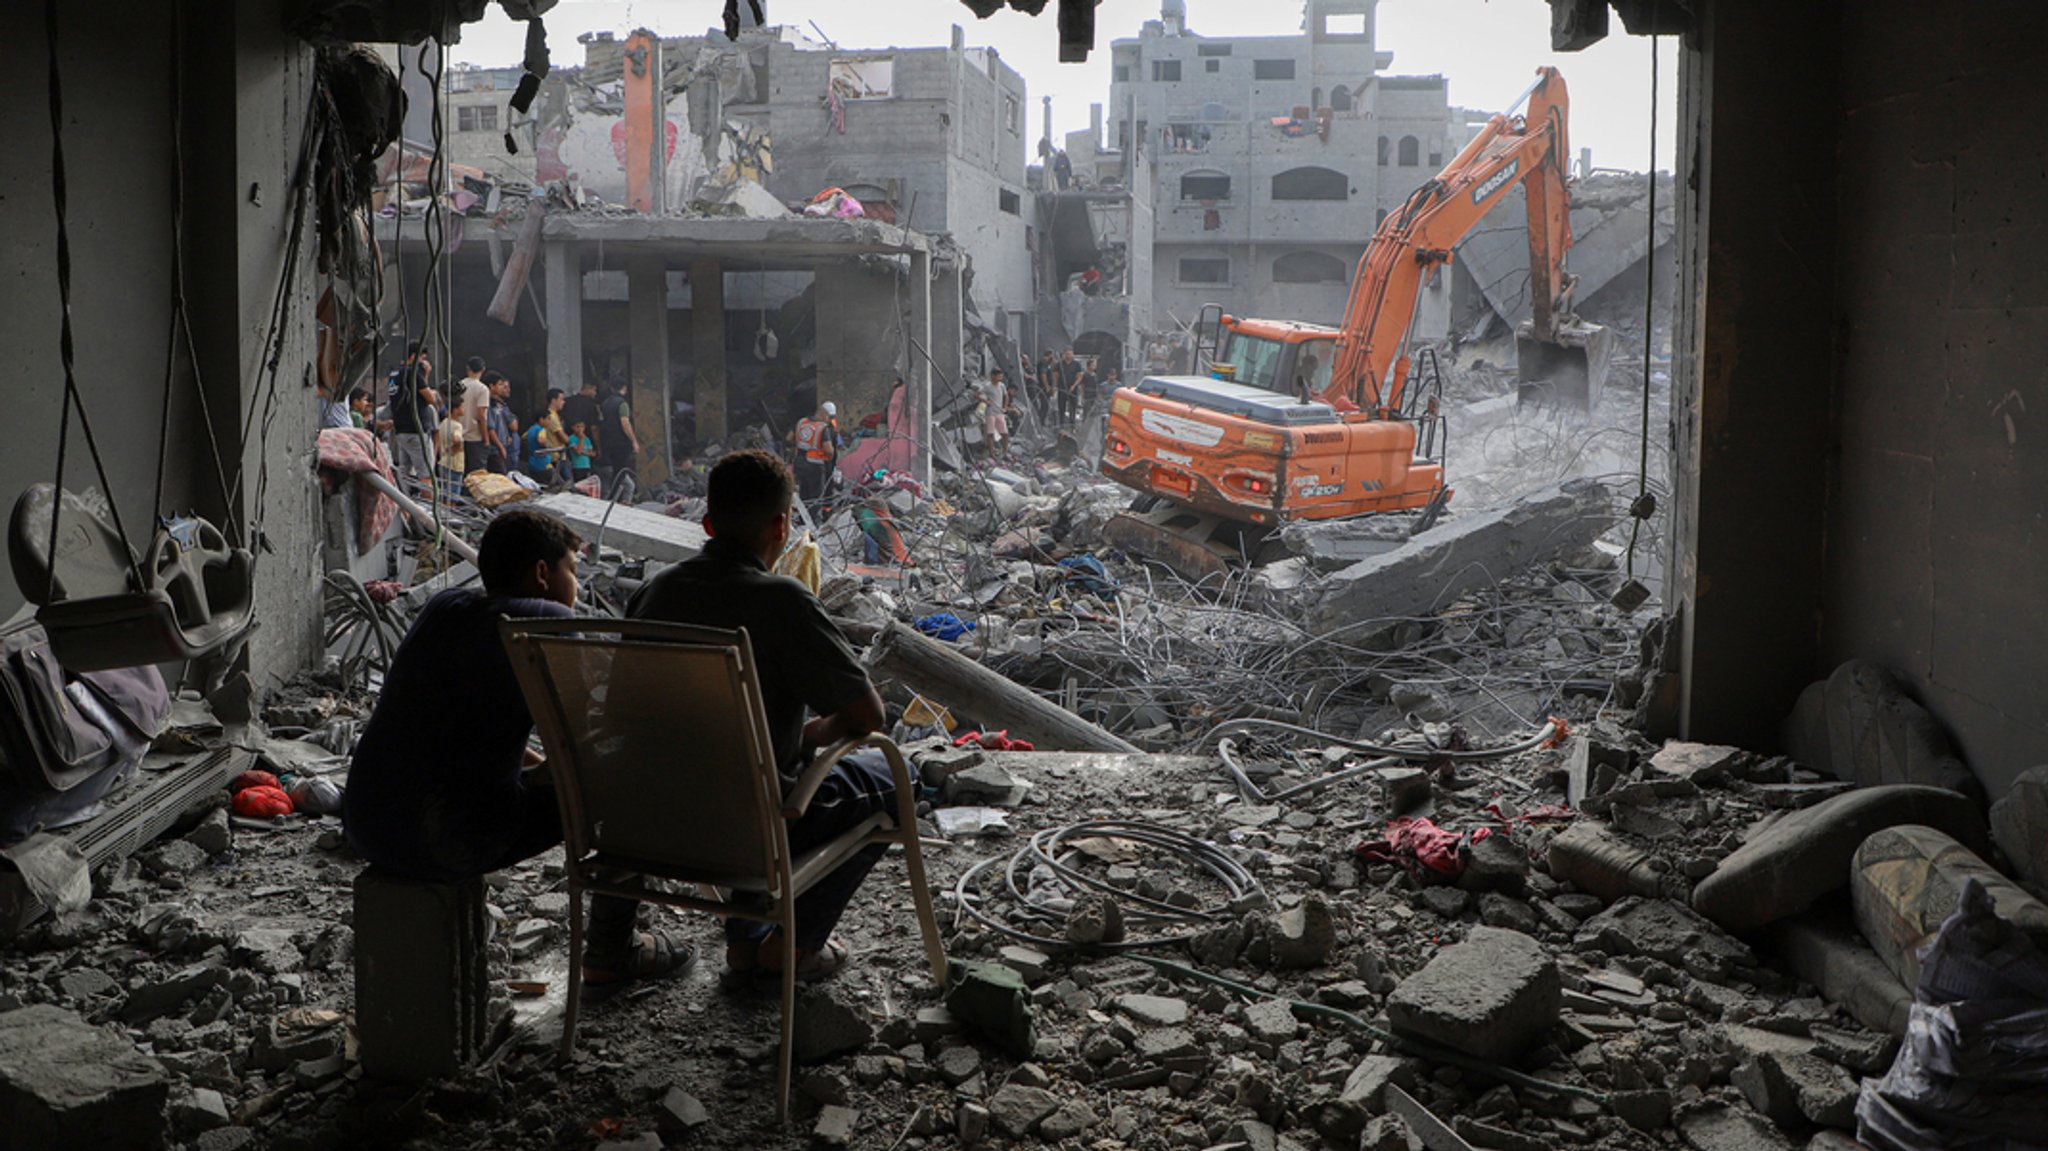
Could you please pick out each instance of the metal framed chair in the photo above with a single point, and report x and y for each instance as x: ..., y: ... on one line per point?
x: 661, y: 760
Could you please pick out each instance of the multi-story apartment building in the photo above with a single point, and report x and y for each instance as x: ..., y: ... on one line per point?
x: 1275, y: 157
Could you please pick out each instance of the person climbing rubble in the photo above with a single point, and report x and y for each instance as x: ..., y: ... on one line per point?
x: 805, y: 667
x: 437, y: 795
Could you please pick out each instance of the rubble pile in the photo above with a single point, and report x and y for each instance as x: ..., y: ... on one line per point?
x: 1263, y: 882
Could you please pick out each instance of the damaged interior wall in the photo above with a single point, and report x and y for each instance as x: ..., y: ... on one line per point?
x: 245, y: 86
x: 1855, y: 472
x: 1936, y: 542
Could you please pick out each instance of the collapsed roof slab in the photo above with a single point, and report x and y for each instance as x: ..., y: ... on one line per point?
x: 788, y: 243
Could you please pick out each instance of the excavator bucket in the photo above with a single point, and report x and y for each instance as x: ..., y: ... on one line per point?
x: 1567, y: 371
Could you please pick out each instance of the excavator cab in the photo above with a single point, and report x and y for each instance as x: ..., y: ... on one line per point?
x: 1291, y: 359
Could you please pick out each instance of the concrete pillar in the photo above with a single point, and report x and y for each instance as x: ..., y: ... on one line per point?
x: 422, y: 984
x: 1752, y: 384
x: 563, y: 264
x: 707, y: 346
x: 647, y: 320
x: 949, y: 353
x: 918, y: 379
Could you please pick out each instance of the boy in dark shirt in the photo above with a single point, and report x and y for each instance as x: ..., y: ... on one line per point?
x: 804, y: 665
x: 439, y: 794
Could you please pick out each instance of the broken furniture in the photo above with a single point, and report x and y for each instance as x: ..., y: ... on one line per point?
x: 190, y: 596
x: 422, y: 985
x: 659, y: 751
x: 135, y: 816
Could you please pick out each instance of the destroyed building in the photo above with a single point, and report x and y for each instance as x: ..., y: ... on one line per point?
x: 1433, y: 838
x: 1273, y: 158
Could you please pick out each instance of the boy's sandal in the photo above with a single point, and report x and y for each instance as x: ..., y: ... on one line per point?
x: 765, y: 957
x: 654, y: 954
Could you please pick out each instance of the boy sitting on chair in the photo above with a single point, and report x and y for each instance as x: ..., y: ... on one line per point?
x: 804, y: 665
x: 438, y: 795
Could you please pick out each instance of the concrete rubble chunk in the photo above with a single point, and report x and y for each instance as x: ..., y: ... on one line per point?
x: 1646, y: 1110
x: 1794, y: 1089
x: 1016, y: 1110
x: 970, y: 1122
x: 1271, y: 1021
x: 1661, y: 929
x: 212, y: 835
x: 1095, y: 918
x: 1906, y: 880
x: 200, y: 1109
x: 1493, y: 996
x: 2019, y: 825
x: 1789, y: 865
x: 1304, y: 935
x: 825, y: 1028
x: 1367, y: 1083
x: 1028, y: 962
x: 956, y: 1065
x: 66, y: 1083
x: 1496, y: 863
x: 173, y: 857
x: 680, y: 1112
x: 1719, y: 1127
x: 835, y: 1126
x: 1700, y: 763
x: 225, y: 1139
x: 1436, y: 566
x: 1154, y: 1010
x: 1072, y: 1118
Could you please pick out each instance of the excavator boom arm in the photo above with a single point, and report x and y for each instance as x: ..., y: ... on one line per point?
x: 1530, y: 150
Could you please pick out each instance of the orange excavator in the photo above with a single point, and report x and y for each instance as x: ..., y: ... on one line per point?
x: 1303, y: 421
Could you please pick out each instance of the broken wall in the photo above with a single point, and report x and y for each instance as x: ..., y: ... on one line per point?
x: 245, y: 85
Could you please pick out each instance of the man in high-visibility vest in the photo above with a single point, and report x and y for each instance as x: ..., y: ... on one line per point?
x: 817, y: 446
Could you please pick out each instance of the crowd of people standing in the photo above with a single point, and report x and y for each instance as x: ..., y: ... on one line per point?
x: 446, y: 433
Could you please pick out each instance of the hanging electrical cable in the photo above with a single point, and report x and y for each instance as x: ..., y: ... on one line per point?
x: 1645, y: 504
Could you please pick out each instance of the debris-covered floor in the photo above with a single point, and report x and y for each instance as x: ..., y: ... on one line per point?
x: 1413, y: 881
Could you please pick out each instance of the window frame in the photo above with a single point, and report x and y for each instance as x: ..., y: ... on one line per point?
x: 1180, y: 269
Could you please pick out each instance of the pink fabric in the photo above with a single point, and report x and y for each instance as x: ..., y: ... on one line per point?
x: 356, y: 452
x: 890, y: 451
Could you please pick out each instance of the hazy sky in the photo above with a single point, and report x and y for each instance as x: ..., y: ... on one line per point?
x: 1488, y: 48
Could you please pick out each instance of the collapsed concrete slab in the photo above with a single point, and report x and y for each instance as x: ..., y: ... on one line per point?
x: 1439, y: 565
x: 649, y: 535
x: 1805, y: 855
x: 66, y: 1083
x: 1906, y: 881
x: 1493, y: 996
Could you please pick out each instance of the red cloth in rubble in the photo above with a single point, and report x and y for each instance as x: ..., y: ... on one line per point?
x: 1421, y: 848
x: 253, y: 778
x: 262, y: 802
